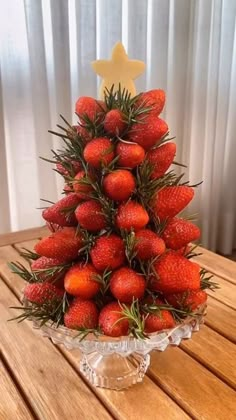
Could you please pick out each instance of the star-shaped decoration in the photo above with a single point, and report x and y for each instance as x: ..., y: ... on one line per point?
x: 120, y: 70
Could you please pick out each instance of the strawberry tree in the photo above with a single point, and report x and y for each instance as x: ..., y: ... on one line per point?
x: 117, y: 259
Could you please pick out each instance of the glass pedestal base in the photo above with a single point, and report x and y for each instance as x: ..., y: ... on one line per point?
x: 114, y: 371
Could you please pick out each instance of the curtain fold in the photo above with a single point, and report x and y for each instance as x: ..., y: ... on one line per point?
x: 190, y: 51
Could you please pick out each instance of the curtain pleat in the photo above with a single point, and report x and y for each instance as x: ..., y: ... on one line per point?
x: 190, y: 51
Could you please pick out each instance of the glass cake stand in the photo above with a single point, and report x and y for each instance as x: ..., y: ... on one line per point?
x: 118, y: 363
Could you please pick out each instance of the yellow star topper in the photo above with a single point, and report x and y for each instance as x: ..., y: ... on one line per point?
x: 118, y: 71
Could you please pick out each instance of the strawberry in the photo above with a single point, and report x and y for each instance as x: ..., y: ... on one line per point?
x: 90, y: 216
x: 108, y: 252
x: 153, y: 98
x: 64, y: 244
x: 188, y: 300
x: 161, y: 158
x: 83, y: 133
x: 126, y: 285
x: 81, y: 185
x: 99, y: 152
x: 68, y: 188
x: 62, y: 212
x: 41, y: 293
x: 89, y: 107
x: 162, y: 319
x: 44, y: 263
x: 148, y: 131
x: 81, y: 314
x: 184, y: 250
x: 119, y: 185
x: 114, y: 123
x: 131, y: 215
x: 169, y: 201
x: 110, y: 321
x: 175, y: 273
x: 179, y: 232
x: 148, y: 245
x: 80, y: 280
x: 130, y: 155
x: 74, y: 167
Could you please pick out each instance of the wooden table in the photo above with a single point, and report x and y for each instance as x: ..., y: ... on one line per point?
x: 41, y: 380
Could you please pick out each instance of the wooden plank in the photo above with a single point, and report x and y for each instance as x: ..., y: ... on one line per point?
x: 12, y: 406
x: 217, y: 264
x: 221, y: 318
x: 139, y: 401
x: 52, y: 386
x: 198, y: 391
x: 25, y: 244
x: 136, y: 396
x: 215, y: 352
x: 226, y: 293
x: 7, y: 254
x: 22, y: 235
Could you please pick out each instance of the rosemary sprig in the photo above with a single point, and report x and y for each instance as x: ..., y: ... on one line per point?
x: 29, y: 255
x: 206, y: 282
x: 52, y: 311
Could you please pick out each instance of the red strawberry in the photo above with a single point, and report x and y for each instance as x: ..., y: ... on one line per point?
x: 110, y: 321
x: 81, y: 187
x: 161, y: 320
x: 130, y: 155
x: 126, y: 285
x: 175, y: 273
x: 114, y: 123
x: 62, y: 212
x: 169, y: 201
x: 90, y: 216
x: 184, y: 250
x: 188, y: 300
x: 119, y: 185
x: 80, y: 280
x: 161, y: 158
x: 148, y: 245
x: 81, y: 314
x: 89, y: 107
x: 41, y: 293
x: 43, y: 263
x: 148, y: 131
x: 108, y: 252
x: 131, y: 215
x: 179, y: 232
x: 99, y: 152
x: 68, y: 189
x: 153, y: 98
x: 83, y: 133
x: 74, y: 167
x: 63, y: 244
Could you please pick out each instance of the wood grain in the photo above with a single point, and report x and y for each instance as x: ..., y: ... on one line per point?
x: 12, y: 406
x: 144, y: 401
x: 53, y: 388
x: 213, y: 351
x: 217, y: 264
x: 221, y: 318
x: 226, y: 293
x: 196, y: 389
x: 23, y: 235
x: 8, y: 254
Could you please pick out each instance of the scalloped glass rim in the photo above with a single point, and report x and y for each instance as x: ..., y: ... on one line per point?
x: 124, y: 345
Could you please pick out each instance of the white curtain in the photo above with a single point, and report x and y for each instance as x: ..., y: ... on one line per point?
x: 189, y: 47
